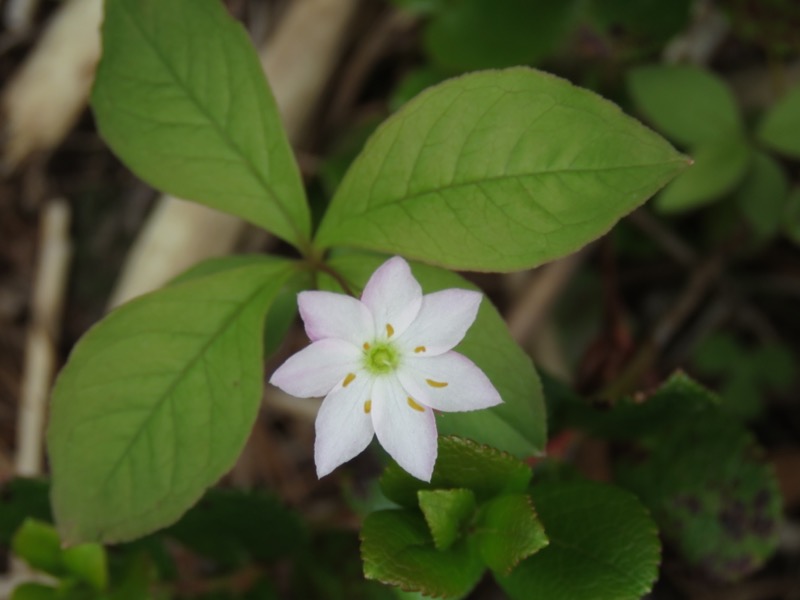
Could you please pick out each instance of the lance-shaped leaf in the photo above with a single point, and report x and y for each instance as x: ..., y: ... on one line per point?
x: 518, y: 425
x: 497, y: 170
x: 157, y: 401
x: 180, y: 97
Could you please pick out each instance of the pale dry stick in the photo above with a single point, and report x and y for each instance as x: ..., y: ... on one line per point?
x: 538, y: 297
x: 18, y: 15
x: 698, y: 44
x: 298, y: 61
x: 44, y: 98
x: 40, y: 353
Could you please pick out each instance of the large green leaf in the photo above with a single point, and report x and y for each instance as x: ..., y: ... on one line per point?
x: 181, y: 97
x: 719, y: 166
x: 688, y: 104
x: 397, y: 549
x: 509, y: 531
x: 156, y: 403
x: 603, y: 546
x: 780, y: 128
x: 497, y: 171
x: 762, y: 195
x: 483, y: 34
x: 446, y: 512
x: 519, y: 424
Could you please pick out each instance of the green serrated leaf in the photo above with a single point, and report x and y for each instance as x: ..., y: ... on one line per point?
x: 88, y: 563
x: 156, y: 403
x: 712, y: 497
x: 38, y: 544
x: 461, y: 463
x: 483, y: 34
x: 509, y: 531
x: 688, y: 104
x: 519, y: 424
x: 762, y: 195
x: 780, y: 127
x: 497, y: 171
x: 397, y: 549
x: 180, y: 97
x: 603, y: 546
x: 446, y: 511
x: 718, y: 168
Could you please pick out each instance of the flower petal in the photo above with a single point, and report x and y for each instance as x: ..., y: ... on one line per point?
x: 404, y: 428
x: 393, y: 296
x: 441, y: 323
x: 317, y: 369
x: 329, y: 315
x: 344, y: 427
x: 449, y: 382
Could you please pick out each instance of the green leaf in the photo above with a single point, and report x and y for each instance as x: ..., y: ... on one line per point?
x: 484, y: 34
x: 651, y: 21
x: 34, y: 591
x: 281, y: 314
x: 497, y: 171
x: 180, y: 97
x: 719, y: 166
x: 780, y: 128
x: 762, y: 196
x: 397, y: 549
x: 446, y: 511
x: 603, y: 546
x: 38, y: 545
x: 22, y: 498
x: 461, y: 463
x: 519, y: 424
x: 509, y: 531
x: 688, y: 104
x: 88, y: 562
x: 156, y: 403
x: 714, y: 500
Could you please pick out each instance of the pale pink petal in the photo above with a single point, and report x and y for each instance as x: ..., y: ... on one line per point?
x: 328, y: 315
x: 441, y: 323
x: 344, y: 427
x: 406, y: 430
x: 318, y: 368
x: 449, y: 382
x: 393, y: 296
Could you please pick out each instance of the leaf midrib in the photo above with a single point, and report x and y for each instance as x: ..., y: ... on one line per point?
x: 249, y: 165
x: 180, y: 376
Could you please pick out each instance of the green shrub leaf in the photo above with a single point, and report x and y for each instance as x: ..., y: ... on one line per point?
x: 156, y: 403
x: 688, y: 104
x: 509, y: 531
x: 38, y: 544
x: 181, y: 97
x: 519, y: 424
x: 780, y: 128
x: 397, y: 549
x: 762, y: 196
x: 497, y: 170
x: 446, y: 511
x: 603, y: 546
x: 719, y: 167
x: 461, y: 463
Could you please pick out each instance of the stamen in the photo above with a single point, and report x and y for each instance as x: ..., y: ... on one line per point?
x: 349, y: 379
x: 436, y: 384
x: 366, y: 345
x: 414, y: 405
x: 419, y: 349
x: 367, y: 406
x: 389, y: 330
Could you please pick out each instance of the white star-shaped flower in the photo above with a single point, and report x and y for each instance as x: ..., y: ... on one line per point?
x: 384, y: 363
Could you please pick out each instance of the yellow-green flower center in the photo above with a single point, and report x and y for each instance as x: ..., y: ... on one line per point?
x: 381, y: 358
